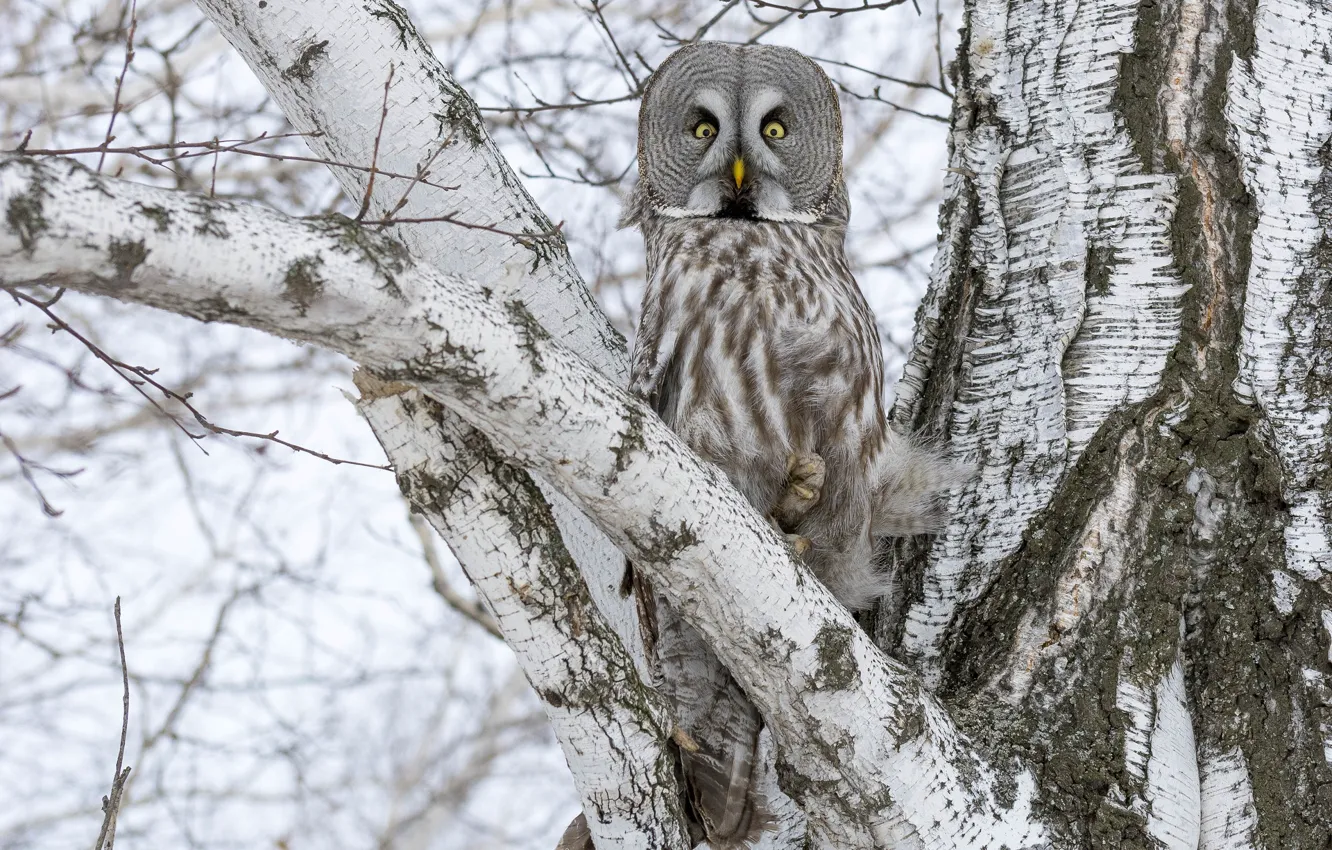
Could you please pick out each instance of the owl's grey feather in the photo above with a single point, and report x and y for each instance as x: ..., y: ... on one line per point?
x: 722, y: 726
x: 755, y: 344
x: 576, y: 835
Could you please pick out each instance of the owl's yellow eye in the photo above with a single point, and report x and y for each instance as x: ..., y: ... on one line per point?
x: 774, y: 130
x: 705, y: 130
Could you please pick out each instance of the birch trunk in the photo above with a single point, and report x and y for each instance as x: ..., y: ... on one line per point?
x: 1129, y: 331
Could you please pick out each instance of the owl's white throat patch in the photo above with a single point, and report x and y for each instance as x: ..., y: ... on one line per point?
x: 684, y: 212
x: 778, y: 216
x: 788, y: 216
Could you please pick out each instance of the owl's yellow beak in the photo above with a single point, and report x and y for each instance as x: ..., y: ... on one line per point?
x: 738, y: 171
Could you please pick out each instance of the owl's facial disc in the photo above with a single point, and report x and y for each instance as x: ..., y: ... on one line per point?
x: 740, y: 132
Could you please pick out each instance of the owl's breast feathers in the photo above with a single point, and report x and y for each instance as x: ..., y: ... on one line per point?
x: 755, y: 342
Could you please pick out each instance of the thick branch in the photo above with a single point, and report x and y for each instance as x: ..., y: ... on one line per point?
x: 611, y: 726
x: 325, y: 64
x: 318, y: 60
x: 872, y: 757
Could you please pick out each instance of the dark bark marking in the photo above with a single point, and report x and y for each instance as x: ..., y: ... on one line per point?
x: 398, y: 18
x: 126, y: 256
x: 631, y: 438
x: 24, y: 215
x: 462, y: 115
x: 303, y: 68
x: 837, y: 666
x: 532, y: 334
x: 386, y: 255
x: 661, y: 544
x: 302, y: 283
x: 209, y: 225
x: 160, y: 217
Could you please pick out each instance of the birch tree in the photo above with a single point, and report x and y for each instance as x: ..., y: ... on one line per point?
x: 1124, y: 637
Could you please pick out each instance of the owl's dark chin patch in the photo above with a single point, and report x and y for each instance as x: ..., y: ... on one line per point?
x: 740, y: 207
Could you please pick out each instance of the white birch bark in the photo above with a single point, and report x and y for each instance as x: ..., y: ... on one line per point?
x: 1281, y: 109
x: 1128, y: 331
x: 1057, y: 190
x: 872, y: 757
x: 610, y: 725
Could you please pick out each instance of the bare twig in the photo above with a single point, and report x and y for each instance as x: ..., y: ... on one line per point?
x: 374, y: 156
x: 211, y: 148
x: 911, y: 84
x: 422, y: 172
x: 544, y: 106
x: 805, y: 9
x: 27, y: 466
x: 137, y: 376
x: 212, y: 183
x: 711, y: 22
x: 615, y: 46
x: 451, y: 219
x: 875, y: 97
x: 106, y: 839
x: 938, y: 50
x: 120, y: 81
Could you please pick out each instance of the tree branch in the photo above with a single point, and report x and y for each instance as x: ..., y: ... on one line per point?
x: 106, y: 837
x: 611, y: 726
x: 315, y: 57
x: 312, y: 56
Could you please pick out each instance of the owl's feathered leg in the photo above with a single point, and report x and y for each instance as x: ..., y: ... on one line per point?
x: 718, y: 727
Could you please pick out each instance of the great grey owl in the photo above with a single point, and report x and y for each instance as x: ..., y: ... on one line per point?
x: 757, y: 347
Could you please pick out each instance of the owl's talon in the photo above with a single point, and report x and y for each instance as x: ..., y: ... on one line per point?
x: 804, y: 474
x: 804, y: 488
x: 801, y: 466
x: 799, y: 545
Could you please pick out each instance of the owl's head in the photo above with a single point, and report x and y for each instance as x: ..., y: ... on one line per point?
x: 740, y: 131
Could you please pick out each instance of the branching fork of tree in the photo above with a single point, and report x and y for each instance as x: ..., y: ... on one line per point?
x: 1122, y: 639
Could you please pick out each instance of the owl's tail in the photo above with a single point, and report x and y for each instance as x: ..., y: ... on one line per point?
x: 912, y: 484
x: 718, y: 737
x: 721, y: 785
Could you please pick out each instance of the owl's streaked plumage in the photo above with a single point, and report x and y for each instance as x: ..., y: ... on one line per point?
x: 756, y: 345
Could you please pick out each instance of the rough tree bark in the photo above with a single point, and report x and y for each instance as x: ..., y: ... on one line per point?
x: 1130, y: 332
x: 1122, y: 640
